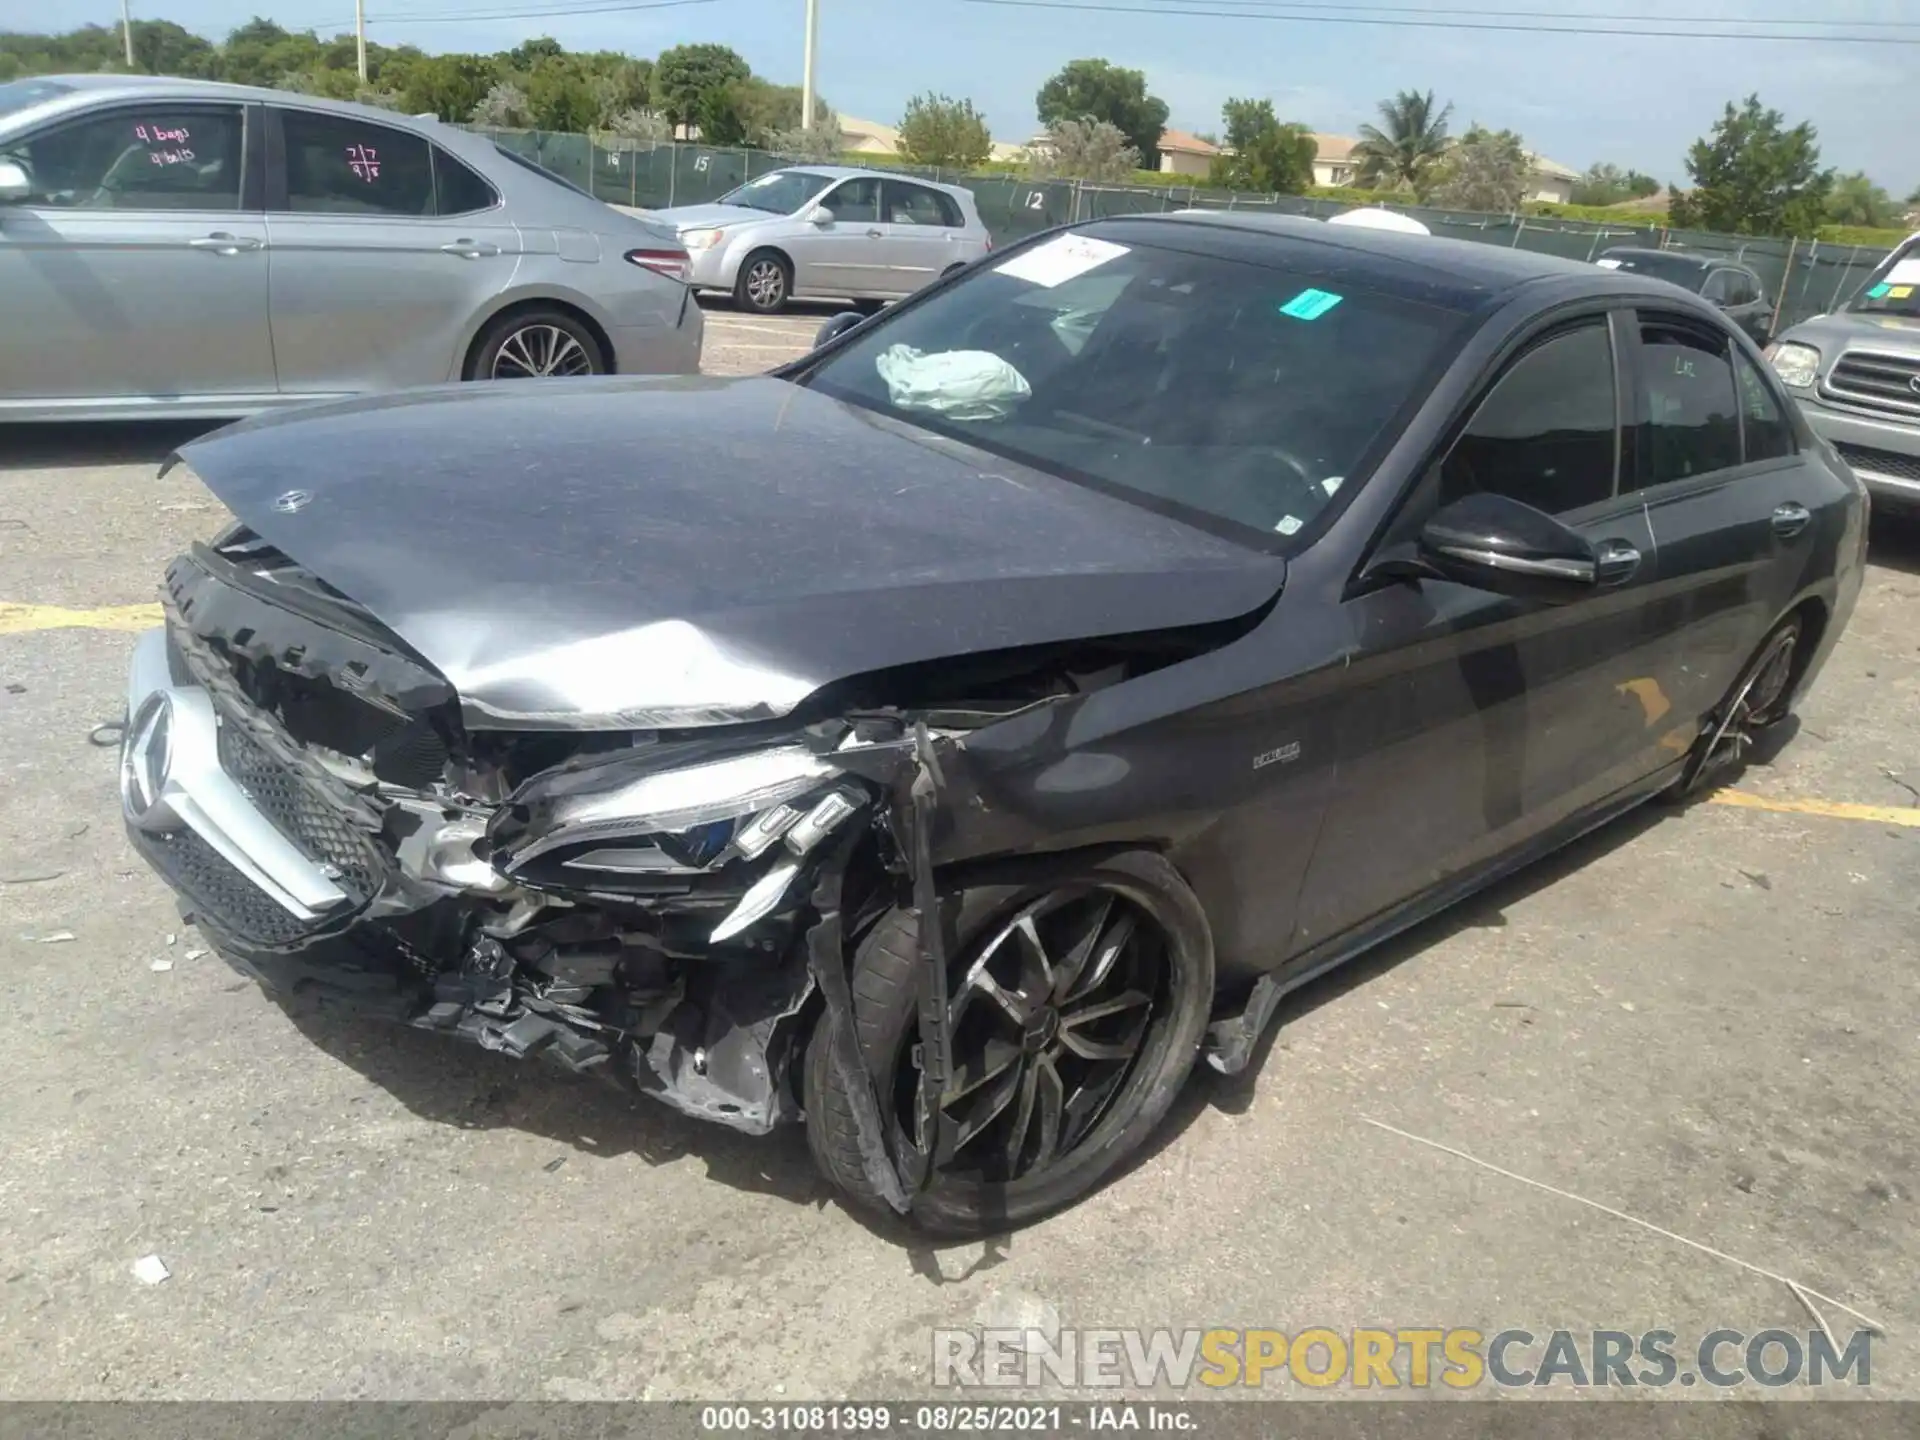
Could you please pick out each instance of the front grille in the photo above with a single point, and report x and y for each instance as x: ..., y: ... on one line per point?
x: 1883, y: 381
x: 1881, y: 462
x: 314, y: 825
x: 227, y: 900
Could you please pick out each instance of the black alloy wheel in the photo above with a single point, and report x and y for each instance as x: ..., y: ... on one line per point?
x: 1757, y: 702
x: 1077, y: 1005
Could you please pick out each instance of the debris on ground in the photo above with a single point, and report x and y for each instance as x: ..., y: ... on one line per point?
x: 163, y: 963
x: 34, y: 878
x: 150, y: 1270
x: 170, y: 940
x: 58, y: 937
x: 196, y: 954
x: 554, y: 1164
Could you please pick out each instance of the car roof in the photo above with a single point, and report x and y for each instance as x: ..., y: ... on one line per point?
x: 1682, y: 257
x: 854, y: 172
x: 88, y: 88
x: 1461, y: 274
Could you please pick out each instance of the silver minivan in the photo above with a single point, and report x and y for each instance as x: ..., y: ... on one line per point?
x: 827, y: 232
x: 182, y: 248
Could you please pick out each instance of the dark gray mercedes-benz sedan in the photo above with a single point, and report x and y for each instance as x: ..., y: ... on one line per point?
x: 947, y: 740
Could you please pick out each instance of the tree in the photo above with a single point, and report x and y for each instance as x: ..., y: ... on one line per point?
x: 948, y: 133
x: 817, y: 145
x: 690, y: 78
x: 525, y: 57
x: 1097, y: 90
x: 504, y: 107
x: 1914, y: 198
x: 1610, y: 185
x: 1085, y: 150
x: 449, y: 86
x: 559, y: 97
x: 1856, y: 200
x: 643, y: 127
x: 1754, y: 176
x: 1261, y: 153
x: 1401, y: 153
x: 1483, y: 170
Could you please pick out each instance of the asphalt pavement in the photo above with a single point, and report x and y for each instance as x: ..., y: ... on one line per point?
x: 1702, y: 1018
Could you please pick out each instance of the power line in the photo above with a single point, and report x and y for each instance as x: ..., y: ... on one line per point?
x: 1570, y: 16
x: 590, y: 7
x: 1182, y: 13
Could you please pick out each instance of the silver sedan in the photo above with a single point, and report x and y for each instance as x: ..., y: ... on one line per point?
x: 187, y: 249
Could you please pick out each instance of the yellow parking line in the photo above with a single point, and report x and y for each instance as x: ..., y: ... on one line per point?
x: 1908, y: 816
x: 18, y: 619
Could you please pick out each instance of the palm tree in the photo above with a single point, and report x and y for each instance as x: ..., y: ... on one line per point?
x: 1415, y: 137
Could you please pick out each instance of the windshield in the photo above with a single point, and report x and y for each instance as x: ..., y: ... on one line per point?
x: 17, y: 95
x: 778, y: 192
x: 1685, y: 271
x: 1894, y: 289
x: 1224, y: 390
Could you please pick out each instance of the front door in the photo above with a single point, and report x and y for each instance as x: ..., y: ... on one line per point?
x: 373, y: 288
x: 846, y: 253
x: 1476, y: 722
x: 137, y: 268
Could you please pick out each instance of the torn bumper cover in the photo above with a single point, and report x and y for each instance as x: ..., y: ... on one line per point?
x: 668, y: 915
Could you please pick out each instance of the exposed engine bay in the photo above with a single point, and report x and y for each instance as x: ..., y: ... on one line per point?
x: 662, y: 908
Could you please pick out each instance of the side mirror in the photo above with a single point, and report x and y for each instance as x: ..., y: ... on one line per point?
x: 1493, y: 543
x: 818, y: 215
x: 835, y: 326
x: 15, y: 184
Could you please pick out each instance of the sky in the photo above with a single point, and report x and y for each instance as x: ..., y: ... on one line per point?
x: 1579, y: 99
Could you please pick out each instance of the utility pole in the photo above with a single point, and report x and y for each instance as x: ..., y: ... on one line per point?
x: 360, y: 35
x: 806, y: 79
x: 126, y: 31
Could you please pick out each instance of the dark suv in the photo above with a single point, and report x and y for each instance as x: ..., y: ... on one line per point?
x: 1734, y: 288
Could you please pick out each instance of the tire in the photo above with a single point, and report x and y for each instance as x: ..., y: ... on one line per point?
x: 517, y: 345
x: 1123, y: 1100
x: 1759, y: 700
x: 765, y: 283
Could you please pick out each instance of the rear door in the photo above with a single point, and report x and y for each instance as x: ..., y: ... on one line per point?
x: 846, y: 254
x: 1476, y: 722
x: 1735, y: 514
x: 138, y: 267
x: 373, y: 286
x: 924, y: 233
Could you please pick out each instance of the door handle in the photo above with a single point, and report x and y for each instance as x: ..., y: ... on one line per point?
x: 876, y: 234
x: 1790, y: 519
x: 471, y: 249
x: 1615, y: 562
x: 221, y: 243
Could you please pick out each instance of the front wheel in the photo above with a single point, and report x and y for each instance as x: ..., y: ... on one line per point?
x: 1758, y: 702
x: 1079, y: 996
x: 536, y: 344
x: 765, y: 283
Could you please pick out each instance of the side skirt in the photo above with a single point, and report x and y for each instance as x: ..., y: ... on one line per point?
x: 1231, y: 1040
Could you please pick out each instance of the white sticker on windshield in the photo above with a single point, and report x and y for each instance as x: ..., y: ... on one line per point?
x: 1289, y: 525
x: 1608, y: 264
x: 1907, y: 272
x: 1060, y: 259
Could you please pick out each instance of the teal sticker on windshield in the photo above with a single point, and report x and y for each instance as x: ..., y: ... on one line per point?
x: 1879, y: 292
x: 1310, y: 304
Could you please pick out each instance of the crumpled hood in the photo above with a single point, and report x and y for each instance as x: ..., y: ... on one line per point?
x: 632, y: 553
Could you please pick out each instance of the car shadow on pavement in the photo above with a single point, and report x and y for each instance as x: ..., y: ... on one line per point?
x: 1894, y: 541
x: 448, y: 1082
x: 71, y: 446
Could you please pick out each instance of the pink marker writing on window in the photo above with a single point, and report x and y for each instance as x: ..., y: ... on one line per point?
x: 364, y: 161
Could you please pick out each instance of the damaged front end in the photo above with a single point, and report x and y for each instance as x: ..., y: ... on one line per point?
x: 653, y: 907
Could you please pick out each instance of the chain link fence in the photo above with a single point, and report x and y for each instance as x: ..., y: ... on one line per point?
x: 1805, y: 277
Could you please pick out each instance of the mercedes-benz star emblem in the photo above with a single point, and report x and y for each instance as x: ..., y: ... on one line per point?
x: 293, y: 500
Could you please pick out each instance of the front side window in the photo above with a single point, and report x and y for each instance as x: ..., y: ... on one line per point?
x: 856, y: 200
x: 1219, y: 389
x: 147, y: 157
x: 1763, y: 424
x: 1693, y: 422
x: 341, y: 165
x: 1546, y: 433
x: 778, y: 192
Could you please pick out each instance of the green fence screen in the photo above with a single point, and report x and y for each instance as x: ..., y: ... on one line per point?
x: 1806, y: 277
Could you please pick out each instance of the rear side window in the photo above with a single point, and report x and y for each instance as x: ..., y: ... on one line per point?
x: 1693, y: 424
x: 457, y: 189
x: 146, y: 157
x: 1719, y: 288
x: 1546, y: 433
x: 1746, y: 287
x: 917, y: 205
x: 340, y: 165
x: 1763, y: 425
